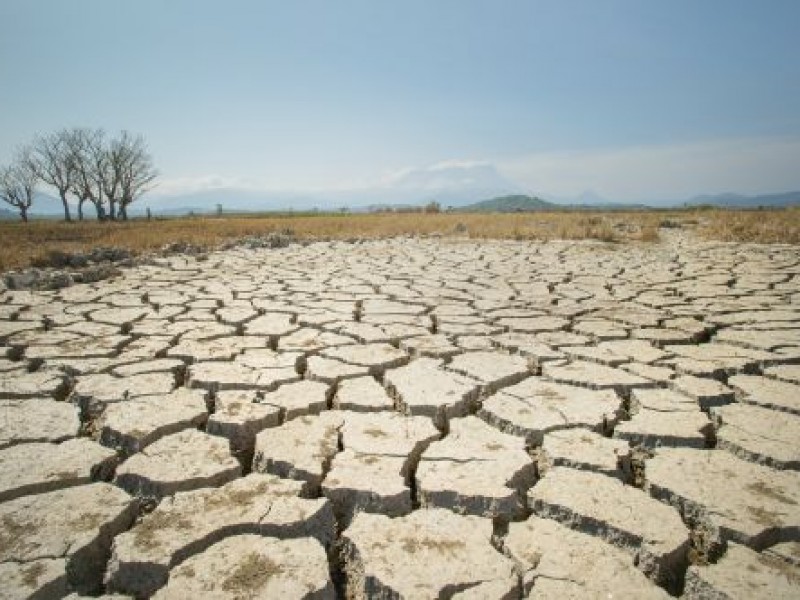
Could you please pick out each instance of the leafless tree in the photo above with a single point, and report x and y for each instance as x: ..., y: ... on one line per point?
x: 54, y: 161
x: 18, y: 183
x: 134, y: 167
x: 89, y: 152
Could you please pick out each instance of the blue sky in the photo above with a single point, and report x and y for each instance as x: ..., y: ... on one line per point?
x: 636, y: 100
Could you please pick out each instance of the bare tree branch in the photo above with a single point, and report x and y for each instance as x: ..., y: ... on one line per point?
x: 54, y: 163
x: 18, y: 183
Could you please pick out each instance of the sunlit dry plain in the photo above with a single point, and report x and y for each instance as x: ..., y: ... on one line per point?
x: 26, y: 244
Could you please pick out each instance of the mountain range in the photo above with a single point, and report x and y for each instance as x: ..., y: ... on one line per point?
x: 454, y: 185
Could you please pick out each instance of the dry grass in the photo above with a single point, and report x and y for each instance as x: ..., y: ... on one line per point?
x: 758, y: 226
x: 23, y: 245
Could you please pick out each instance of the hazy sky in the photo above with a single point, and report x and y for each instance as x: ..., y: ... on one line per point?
x: 635, y: 100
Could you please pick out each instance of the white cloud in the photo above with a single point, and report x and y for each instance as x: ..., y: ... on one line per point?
x: 677, y: 171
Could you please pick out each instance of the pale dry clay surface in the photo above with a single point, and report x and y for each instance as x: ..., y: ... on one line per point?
x: 408, y: 418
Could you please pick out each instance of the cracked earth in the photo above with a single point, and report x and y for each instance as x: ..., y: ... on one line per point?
x: 408, y: 418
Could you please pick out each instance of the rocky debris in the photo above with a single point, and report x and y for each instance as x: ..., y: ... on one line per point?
x: 619, y: 514
x: 75, y: 525
x: 374, y: 472
x: 595, y: 376
x: 583, y: 449
x: 732, y: 499
x: 301, y: 449
x: 129, y: 427
x: 424, y: 388
x: 769, y: 393
x: 92, y: 393
x: 37, y: 420
x: 559, y: 562
x: 188, y: 523
x: 537, y: 406
x: 362, y: 394
x: 37, y: 468
x: 493, y: 370
x: 476, y: 470
x: 740, y: 573
x: 253, y: 566
x: 431, y: 553
x: 183, y: 461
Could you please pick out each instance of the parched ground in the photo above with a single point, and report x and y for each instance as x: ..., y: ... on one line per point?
x: 408, y: 418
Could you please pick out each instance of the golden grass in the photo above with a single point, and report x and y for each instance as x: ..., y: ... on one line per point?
x: 757, y: 226
x: 22, y: 245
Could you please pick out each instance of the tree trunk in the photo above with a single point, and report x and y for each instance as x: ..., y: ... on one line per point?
x: 67, y: 216
x: 112, y: 209
x: 101, y: 213
x: 123, y: 212
x: 23, y: 213
x: 80, y: 208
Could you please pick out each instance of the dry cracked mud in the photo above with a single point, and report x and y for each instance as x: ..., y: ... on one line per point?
x: 408, y: 418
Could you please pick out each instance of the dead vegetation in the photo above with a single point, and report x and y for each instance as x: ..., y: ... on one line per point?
x: 35, y: 243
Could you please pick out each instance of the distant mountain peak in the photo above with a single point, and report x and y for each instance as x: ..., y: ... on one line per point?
x: 510, y: 203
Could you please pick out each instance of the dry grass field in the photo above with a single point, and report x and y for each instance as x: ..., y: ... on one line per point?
x: 24, y: 245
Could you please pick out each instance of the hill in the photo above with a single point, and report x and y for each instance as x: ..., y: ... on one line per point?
x: 739, y: 201
x: 513, y: 203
